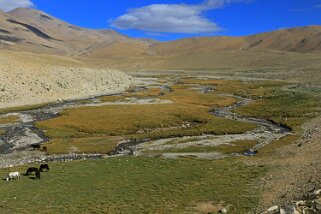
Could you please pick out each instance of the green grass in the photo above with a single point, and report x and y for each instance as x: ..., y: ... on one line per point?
x: 134, y: 185
x: 288, y: 108
x: 79, y: 145
x: 271, y: 148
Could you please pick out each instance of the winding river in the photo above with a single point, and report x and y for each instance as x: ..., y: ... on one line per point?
x: 19, y: 138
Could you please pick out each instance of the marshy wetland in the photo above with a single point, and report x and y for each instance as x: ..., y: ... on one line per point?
x: 179, y: 144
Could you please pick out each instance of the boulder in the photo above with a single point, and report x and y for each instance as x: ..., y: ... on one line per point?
x: 317, y: 192
x: 223, y: 210
x: 309, y: 211
x: 273, y: 209
x: 300, y: 203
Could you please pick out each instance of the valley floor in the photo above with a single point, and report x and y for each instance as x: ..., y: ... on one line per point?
x: 171, y: 145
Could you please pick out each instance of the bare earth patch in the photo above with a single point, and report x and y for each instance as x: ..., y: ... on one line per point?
x: 294, y: 169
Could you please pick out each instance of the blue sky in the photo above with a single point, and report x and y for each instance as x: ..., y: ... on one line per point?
x: 173, y: 19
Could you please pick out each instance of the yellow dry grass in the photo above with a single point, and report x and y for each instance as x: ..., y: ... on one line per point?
x: 197, y: 98
x: 9, y: 119
x: 96, y: 129
x: 122, y: 120
x: 110, y: 98
x: 150, y: 92
x: 186, y: 95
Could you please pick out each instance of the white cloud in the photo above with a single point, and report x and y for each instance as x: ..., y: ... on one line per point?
x: 7, y: 5
x: 171, y: 18
x: 318, y: 6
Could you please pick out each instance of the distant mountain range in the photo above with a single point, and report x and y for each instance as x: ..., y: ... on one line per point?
x: 34, y: 31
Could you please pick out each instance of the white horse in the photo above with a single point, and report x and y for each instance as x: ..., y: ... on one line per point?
x: 12, y: 175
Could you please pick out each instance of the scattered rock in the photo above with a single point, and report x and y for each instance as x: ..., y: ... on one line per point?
x: 311, y: 205
x: 224, y: 210
x: 317, y: 192
x: 41, y: 82
x: 309, y: 211
x: 299, y: 203
x: 272, y: 210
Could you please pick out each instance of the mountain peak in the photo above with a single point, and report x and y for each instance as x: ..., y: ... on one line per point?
x: 27, y: 13
x: 36, y: 31
x: 24, y: 10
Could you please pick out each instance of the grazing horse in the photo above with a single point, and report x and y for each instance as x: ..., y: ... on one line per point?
x: 31, y: 170
x: 44, y: 167
x: 12, y: 175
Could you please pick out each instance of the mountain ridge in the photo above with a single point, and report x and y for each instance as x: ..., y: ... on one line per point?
x: 31, y: 30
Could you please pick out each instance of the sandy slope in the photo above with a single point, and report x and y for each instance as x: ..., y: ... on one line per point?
x: 294, y: 169
x: 28, y: 79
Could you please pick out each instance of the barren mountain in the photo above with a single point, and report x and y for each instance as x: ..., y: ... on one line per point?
x: 294, y: 51
x: 303, y: 39
x: 35, y: 31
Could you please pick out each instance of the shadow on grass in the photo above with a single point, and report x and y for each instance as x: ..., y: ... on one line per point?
x: 34, y: 178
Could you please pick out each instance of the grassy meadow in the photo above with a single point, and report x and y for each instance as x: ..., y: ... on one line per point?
x: 288, y: 108
x: 135, y: 185
x: 98, y: 129
x: 157, y: 185
x: 108, y: 122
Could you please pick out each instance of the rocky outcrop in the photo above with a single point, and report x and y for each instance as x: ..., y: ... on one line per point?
x: 311, y: 204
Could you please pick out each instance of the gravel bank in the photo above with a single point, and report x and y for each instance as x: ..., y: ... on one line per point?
x: 38, y: 81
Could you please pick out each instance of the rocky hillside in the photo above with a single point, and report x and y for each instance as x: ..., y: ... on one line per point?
x: 302, y: 39
x: 28, y: 79
x: 35, y: 31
